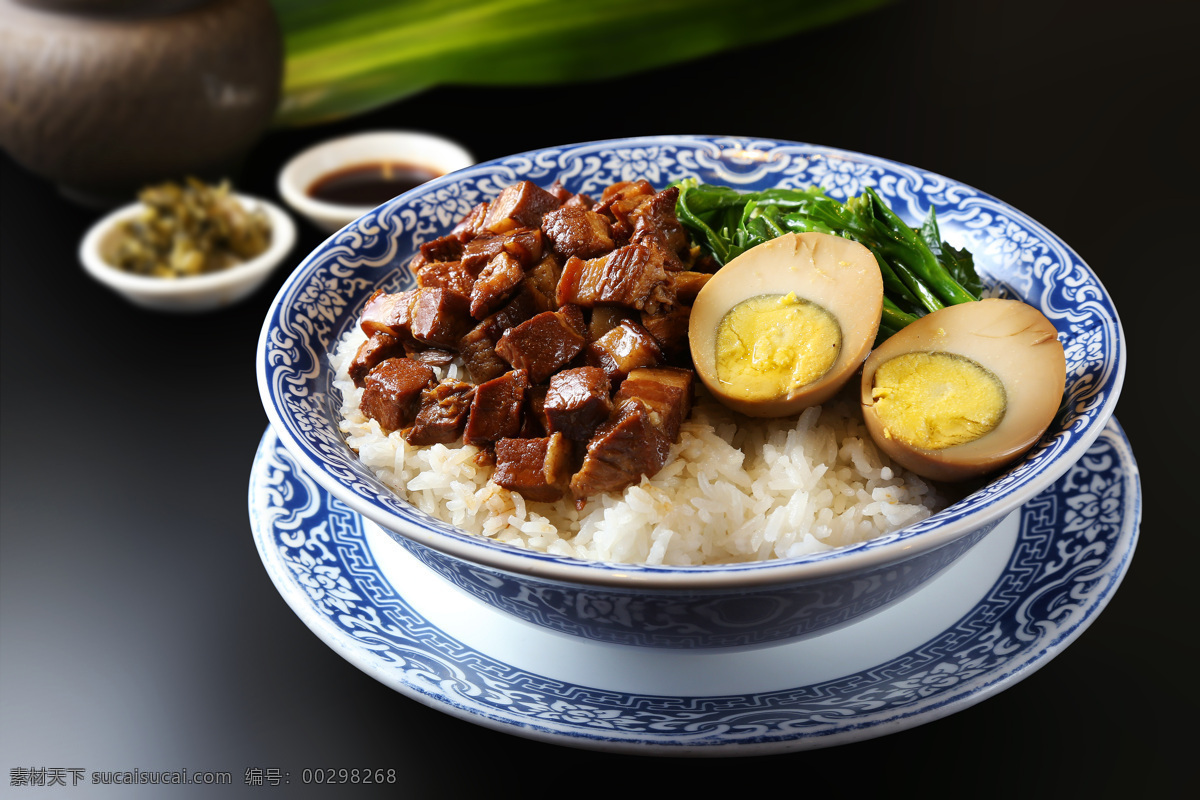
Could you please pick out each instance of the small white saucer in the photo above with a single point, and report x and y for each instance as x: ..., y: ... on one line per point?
x: 1008, y: 606
x: 194, y: 293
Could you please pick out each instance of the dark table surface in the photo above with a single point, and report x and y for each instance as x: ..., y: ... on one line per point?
x: 140, y: 629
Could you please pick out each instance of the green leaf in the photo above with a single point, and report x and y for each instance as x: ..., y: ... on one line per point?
x: 345, y: 57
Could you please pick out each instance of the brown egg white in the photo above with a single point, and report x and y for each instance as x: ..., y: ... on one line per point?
x: 786, y: 324
x: 966, y: 390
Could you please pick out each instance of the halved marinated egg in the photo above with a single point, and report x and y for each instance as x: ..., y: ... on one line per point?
x: 784, y: 325
x: 965, y: 390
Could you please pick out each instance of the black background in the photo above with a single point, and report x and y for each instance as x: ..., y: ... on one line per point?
x: 140, y: 629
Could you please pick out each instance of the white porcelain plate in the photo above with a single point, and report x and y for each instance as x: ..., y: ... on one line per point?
x: 1008, y: 606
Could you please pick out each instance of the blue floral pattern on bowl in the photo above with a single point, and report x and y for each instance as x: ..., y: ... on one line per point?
x: 1073, y: 547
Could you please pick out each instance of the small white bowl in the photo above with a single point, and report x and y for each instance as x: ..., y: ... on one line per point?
x: 436, y: 153
x: 192, y: 293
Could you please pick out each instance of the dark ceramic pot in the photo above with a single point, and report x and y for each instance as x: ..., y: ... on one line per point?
x: 105, y: 96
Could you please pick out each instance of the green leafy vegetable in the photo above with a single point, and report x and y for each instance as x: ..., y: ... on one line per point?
x: 348, y: 56
x: 921, y: 272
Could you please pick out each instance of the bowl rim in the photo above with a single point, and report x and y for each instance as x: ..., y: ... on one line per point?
x: 283, y: 238
x: 399, y: 142
x: 840, y: 561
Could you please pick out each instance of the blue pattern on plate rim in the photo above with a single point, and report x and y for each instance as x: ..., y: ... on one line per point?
x: 1073, y: 548
x: 322, y: 298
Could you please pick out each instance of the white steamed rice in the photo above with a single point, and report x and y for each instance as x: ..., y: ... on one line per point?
x: 733, y: 489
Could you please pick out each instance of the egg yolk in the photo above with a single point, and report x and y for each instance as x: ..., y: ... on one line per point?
x: 936, y: 400
x: 770, y: 345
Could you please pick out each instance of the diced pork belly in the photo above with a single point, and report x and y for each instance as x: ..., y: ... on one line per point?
x: 666, y: 392
x: 687, y: 284
x: 496, y: 409
x: 442, y: 413
x: 541, y: 345
x: 543, y: 279
x: 624, y: 349
x: 538, y: 468
x: 632, y: 276
x: 656, y: 219
x: 392, y: 391
x: 669, y: 327
x: 605, y: 318
x: 573, y: 315
x: 478, y: 346
x: 479, y: 251
x: 443, y: 248
x: 627, y: 446
x: 520, y: 205
x: 389, y: 313
x: 580, y: 201
x: 440, y: 317
x: 576, y: 231
x: 619, y: 201
x: 375, y: 350
x: 577, y: 402
x: 527, y: 245
x: 445, y: 275
x: 497, y: 282
x: 561, y: 192
x: 478, y: 351
x: 471, y: 225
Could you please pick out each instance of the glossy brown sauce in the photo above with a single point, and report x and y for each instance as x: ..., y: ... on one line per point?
x: 369, y: 184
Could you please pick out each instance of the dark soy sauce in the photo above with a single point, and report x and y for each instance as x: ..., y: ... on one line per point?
x: 369, y: 184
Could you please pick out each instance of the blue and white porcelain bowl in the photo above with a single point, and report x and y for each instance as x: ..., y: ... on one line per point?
x: 742, y: 605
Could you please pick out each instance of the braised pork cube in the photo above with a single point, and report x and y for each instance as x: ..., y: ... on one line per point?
x: 619, y: 201
x: 627, y: 446
x: 666, y: 392
x: 624, y: 349
x: 577, y: 402
x: 440, y: 317
x: 449, y: 275
x: 573, y: 315
x: 526, y: 245
x: 478, y: 346
x: 669, y: 327
x: 632, y: 276
x: 539, y: 468
x: 392, y: 391
x: 442, y: 413
x: 443, y: 248
x: 497, y: 282
x: 471, y: 225
x: 655, y: 218
x: 605, y: 318
x: 561, y: 192
x: 543, y: 278
x: 496, y: 409
x: 479, y: 251
x: 541, y: 345
x: 687, y: 284
x: 580, y: 201
x: 478, y: 351
x: 375, y: 350
x: 519, y: 205
x: 389, y: 313
x: 576, y: 231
